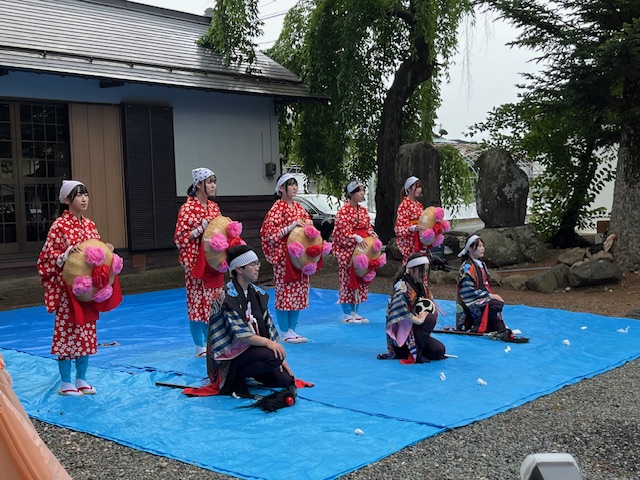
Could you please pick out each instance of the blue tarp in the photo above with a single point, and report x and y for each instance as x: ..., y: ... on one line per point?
x: 394, y: 405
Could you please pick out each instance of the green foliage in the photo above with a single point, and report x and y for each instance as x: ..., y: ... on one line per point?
x: 456, y: 178
x: 568, y: 117
x: 234, y: 24
x: 349, y: 50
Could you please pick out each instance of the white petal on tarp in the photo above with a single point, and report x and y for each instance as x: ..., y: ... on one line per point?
x: 566, y: 342
x: 507, y: 350
x: 583, y: 328
x: 442, y: 376
x: 623, y: 330
x: 357, y: 431
x: 481, y: 382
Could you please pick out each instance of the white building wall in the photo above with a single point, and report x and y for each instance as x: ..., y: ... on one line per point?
x: 234, y: 135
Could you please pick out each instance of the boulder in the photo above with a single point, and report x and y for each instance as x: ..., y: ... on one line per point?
x: 392, y: 251
x: 561, y: 271
x: 422, y: 160
x: 502, y: 189
x: 544, y: 282
x: 572, y: 256
x: 515, y: 282
x: 441, y: 277
x: 389, y: 269
x: 600, y: 272
x: 512, y: 245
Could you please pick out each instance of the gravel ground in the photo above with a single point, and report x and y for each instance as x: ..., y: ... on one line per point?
x: 595, y: 420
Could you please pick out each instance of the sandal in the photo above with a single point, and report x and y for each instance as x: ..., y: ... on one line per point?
x: 84, y: 388
x: 69, y: 390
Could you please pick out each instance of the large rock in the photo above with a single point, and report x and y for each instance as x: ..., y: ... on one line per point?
x: 544, y: 282
x: 515, y: 282
x: 392, y: 250
x: 422, y: 160
x: 502, y: 189
x: 600, y: 272
x: 572, y: 256
x: 512, y: 245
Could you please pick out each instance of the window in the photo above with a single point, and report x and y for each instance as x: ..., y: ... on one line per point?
x: 34, y: 159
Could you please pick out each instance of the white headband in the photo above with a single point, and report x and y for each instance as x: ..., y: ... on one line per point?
x: 245, y: 259
x: 66, y: 188
x: 283, y: 179
x: 410, y: 181
x: 352, y: 185
x: 467, y: 245
x: 415, y: 262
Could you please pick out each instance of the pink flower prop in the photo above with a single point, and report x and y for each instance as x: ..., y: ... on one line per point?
x: 224, y: 266
x: 377, y: 245
x: 234, y: 229
x: 94, y: 256
x: 116, y: 264
x: 310, y: 268
x: 446, y: 226
x: 439, y: 213
x: 82, y: 285
x: 438, y: 241
x: 311, y: 232
x: 383, y: 259
x: 103, y: 294
x: 362, y: 261
x: 427, y: 236
x: 295, y: 249
x: 326, y: 247
x: 368, y: 278
x: 218, y: 242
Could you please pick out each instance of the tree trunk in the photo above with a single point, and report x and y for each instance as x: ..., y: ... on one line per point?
x: 409, y: 76
x: 566, y: 236
x: 625, y: 213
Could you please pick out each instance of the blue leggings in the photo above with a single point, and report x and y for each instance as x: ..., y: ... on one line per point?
x: 64, y: 366
x: 199, y: 332
x: 347, y: 308
x: 287, y: 319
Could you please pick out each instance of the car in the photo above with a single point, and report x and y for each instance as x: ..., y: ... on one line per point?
x: 322, y: 209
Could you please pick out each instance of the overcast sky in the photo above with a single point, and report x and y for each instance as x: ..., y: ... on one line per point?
x: 488, y: 80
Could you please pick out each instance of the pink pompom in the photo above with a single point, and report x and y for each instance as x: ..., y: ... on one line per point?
x: 116, y: 264
x: 368, y: 278
x: 103, y: 294
x: 311, y: 232
x: 81, y: 285
x: 427, y: 236
x: 310, y: 268
x: 295, y: 249
x: 439, y: 213
x: 446, y: 226
x: 326, y: 247
x: 377, y: 245
x: 234, y: 229
x: 223, y: 267
x: 94, y: 256
x: 438, y: 241
x: 362, y: 261
x: 383, y: 259
x: 218, y: 242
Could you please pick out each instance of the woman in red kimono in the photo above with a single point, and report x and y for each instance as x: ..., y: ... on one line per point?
x: 352, y: 225
x: 292, y: 288
x: 409, y: 211
x: 72, y: 339
x: 193, y: 218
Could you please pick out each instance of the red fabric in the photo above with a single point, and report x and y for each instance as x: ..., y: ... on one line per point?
x: 485, y: 319
x: 214, y: 388
x: 211, y: 277
x: 408, y: 214
x: 291, y: 273
x: 100, y: 276
x: 81, y: 313
x: 408, y: 361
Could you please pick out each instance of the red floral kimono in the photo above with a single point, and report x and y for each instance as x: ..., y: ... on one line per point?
x: 408, y: 214
x: 70, y: 338
x: 350, y: 221
x: 199, y: 298
x: 290, y: 295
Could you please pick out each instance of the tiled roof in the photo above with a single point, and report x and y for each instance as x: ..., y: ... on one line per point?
x: 116, y: 40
